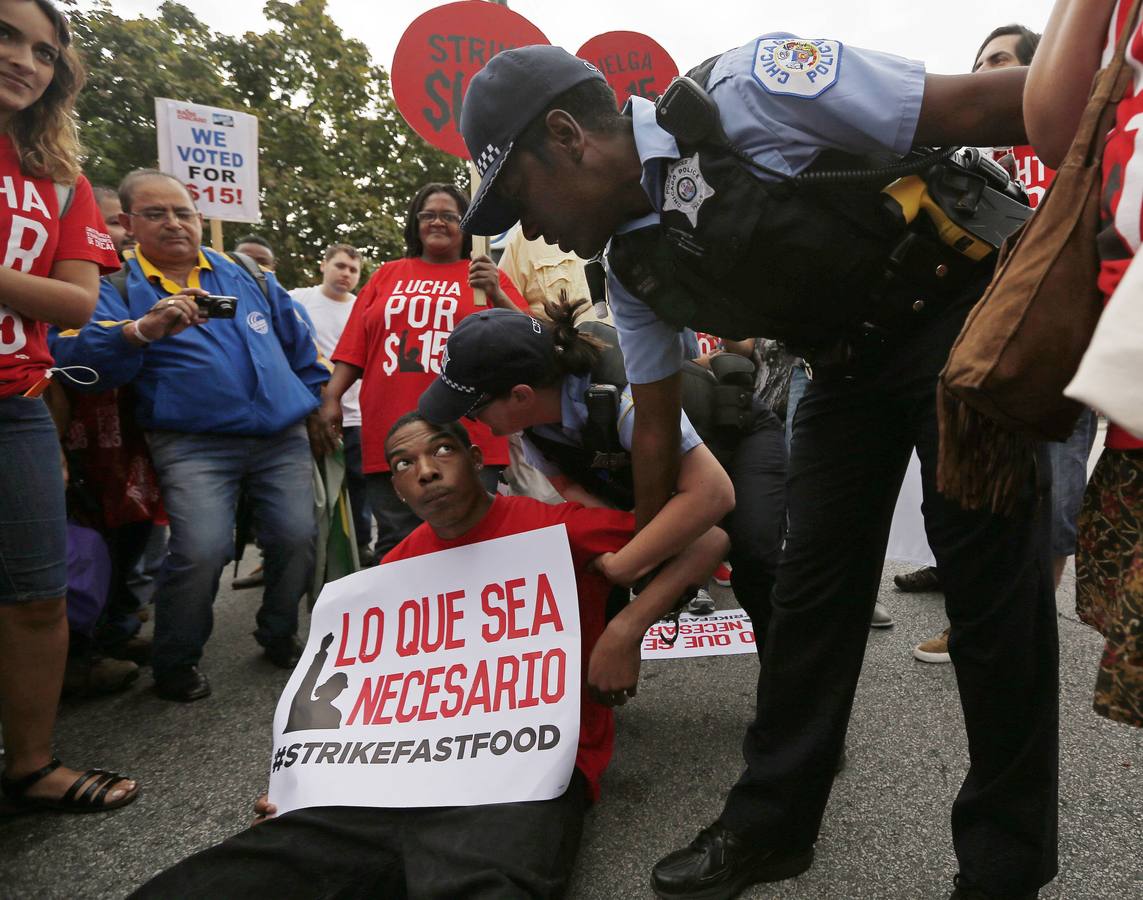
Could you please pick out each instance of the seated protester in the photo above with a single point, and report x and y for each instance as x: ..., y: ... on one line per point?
x: 517, y: 373
x: 222, y: 400
x: 484, y: 851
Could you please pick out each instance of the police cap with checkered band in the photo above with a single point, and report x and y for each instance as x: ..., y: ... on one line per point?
x: 488, y: 354
x: 502, y: 99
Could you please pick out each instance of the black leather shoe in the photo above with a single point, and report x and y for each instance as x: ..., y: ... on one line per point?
x: 962, y: 891
x: 184, y: 685
x: 924, y: 580
x: 718, y: 864
x: 283, y: 652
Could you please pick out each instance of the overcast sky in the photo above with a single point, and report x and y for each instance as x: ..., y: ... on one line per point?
x: 945, y: 35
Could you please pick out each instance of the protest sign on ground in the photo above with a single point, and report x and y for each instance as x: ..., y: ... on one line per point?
x: 721, y: 633
x: 450, y: 679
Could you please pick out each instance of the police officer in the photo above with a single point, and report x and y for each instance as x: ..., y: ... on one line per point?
x: 705, y: 226
x: 547, y: 379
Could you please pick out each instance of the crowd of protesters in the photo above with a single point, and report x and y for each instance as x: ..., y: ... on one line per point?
x: 142, y: 425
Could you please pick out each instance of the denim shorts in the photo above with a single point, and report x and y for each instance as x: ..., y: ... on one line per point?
x: 33, y: 523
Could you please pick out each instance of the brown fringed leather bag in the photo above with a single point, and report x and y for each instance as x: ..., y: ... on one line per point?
x: 1002, y: 388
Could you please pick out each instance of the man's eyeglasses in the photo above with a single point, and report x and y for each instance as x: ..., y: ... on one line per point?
x: 156, y: 215
x: 426, y: 216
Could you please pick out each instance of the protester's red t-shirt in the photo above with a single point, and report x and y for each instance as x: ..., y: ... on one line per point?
x: 34, y: 239
x: 1030, y: 171
x: 1121, y: 213
x: 396, y: 334
x: 591, y: 533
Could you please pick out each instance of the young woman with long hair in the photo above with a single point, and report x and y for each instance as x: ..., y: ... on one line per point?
x: 54, y: 249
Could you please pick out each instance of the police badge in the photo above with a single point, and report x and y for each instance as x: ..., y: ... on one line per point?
x: 796, y: 68
x: 685, y: 189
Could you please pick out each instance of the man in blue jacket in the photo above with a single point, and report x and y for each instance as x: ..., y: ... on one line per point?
x: 224, y: 403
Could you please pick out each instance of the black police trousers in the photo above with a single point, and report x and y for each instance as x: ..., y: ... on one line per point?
x: 497, y: 852
x: 851, y: 444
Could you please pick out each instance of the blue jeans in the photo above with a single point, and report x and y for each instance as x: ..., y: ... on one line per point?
x: 200, y: 475
x: 33, y: 530
x: 1069, y: 478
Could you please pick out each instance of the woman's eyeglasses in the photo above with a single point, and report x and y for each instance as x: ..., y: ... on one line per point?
x: 427, y: 216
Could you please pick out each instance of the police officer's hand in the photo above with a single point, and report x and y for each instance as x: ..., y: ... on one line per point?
x: 483, y: 275
x: 169, y: 316
x: 613, y: 670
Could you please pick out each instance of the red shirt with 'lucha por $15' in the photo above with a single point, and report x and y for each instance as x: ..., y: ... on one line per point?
x: 396, y: 335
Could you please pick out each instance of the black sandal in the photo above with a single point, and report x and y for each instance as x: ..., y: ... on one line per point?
x: 96, y: 784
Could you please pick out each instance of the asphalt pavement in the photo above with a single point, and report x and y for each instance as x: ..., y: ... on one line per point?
x: 886, y: 830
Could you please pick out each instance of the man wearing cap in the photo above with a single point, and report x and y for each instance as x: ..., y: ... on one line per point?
x: 707, y: 223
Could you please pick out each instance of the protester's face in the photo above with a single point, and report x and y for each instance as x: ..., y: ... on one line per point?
x: 341, y: 273
x: 113, y: 221
x: 264, y: 256
x: 559, y: 202
x: 434, y: 474
x: 999, y: 53
x: 164, y: 221
x: 441, y: 239
x: 28, y: 51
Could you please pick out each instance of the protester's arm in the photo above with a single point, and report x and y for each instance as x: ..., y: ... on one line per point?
x: 110, y: 344
x: 1059, y: 81
x: 66, y: 298
x: 704, y: 496
x: 979, y: 110
x: 500, y: 289
x: 343, y: 378
x: 613, y: 669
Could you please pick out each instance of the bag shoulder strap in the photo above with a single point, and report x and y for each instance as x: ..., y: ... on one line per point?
x: 252, y: 269
x: 118, y: 280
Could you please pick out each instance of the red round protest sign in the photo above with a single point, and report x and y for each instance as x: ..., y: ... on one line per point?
x: 634, y: 64
x: 437, y: 56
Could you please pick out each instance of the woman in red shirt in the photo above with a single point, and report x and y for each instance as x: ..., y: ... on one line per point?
x: 54, y: 246
x: 395, y: 338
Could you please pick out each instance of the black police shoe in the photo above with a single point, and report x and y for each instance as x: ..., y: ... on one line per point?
x: 962, y: 891
x: 718, y: 864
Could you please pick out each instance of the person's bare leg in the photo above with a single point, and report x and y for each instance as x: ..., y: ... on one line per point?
x: 33, y: 651
x: 1059, y: 563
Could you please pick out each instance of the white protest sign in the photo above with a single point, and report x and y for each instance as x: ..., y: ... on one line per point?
x: 450, y: 679
x: 214, y: 152
x: 719, y: 634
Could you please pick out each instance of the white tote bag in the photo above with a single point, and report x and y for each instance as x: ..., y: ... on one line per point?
x: 1110, y: 376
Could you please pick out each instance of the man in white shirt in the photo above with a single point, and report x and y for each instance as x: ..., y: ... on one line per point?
x: 329, y: 305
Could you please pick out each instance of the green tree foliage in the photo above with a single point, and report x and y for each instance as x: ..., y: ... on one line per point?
x: 337, y: 161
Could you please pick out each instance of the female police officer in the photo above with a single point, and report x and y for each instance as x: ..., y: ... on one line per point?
x: 516, y: 373
x: 709, y: 227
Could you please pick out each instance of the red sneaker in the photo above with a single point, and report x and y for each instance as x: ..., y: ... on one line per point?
x: 721, y: 575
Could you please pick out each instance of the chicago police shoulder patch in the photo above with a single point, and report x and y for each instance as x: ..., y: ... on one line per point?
x: 794, y: 67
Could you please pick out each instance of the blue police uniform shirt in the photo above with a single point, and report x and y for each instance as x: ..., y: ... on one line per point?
x: 573, y: 419
x: 782, y: 100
